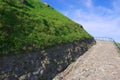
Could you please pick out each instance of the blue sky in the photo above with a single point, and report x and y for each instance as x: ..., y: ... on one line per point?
x: 101, y: 18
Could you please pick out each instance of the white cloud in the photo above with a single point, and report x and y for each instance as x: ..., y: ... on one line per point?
x: 87, y: 3
x: 104, y: 10
x: 116, y: 6
x: 101, y: 21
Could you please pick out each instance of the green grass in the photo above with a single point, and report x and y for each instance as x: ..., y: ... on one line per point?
x: 119, y: 44
x: 119, y: 47
x: 33, y: 25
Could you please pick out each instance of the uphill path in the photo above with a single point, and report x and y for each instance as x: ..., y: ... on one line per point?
x: 101, y: 62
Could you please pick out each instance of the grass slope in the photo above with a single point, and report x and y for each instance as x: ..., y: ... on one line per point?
x: 34, y: 25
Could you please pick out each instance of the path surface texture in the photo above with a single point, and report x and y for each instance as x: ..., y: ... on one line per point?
x: 101, y: 62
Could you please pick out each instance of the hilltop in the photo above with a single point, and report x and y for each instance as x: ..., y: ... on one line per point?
x: 31, y: 25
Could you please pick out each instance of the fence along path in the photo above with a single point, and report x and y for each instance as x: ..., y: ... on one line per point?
x: 109, y: 39
x: 101, y: 62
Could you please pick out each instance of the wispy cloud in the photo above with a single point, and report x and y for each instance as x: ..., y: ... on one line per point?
x: 87, y: 3
x: 98, y: 20
x: 116, y: 6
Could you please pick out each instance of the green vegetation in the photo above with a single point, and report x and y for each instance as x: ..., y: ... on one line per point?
x: 119, y: 47
x: 119, y: 44
x: 34, y: 25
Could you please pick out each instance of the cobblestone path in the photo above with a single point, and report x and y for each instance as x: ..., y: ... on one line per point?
x: 101, y: 62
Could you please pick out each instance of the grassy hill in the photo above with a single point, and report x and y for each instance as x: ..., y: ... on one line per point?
x: 32, y: 25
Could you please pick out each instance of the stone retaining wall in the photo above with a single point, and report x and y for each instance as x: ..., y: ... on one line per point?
x: 42, y: 65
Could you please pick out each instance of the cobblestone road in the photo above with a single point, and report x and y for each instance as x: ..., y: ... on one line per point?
x: 101, y: 62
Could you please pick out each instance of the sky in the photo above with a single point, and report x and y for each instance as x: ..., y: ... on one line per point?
x: 100, y: 18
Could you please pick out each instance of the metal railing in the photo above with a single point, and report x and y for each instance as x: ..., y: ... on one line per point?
x: 108, y: 39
